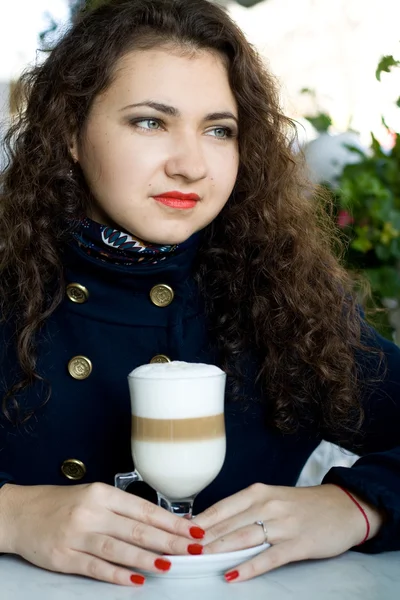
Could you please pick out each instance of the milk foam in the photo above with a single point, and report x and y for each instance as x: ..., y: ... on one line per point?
x: 177, y: 390
x: 176, y: 369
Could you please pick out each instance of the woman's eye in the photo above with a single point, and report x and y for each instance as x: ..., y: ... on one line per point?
x: 147, y: 124
x: 222, y: 133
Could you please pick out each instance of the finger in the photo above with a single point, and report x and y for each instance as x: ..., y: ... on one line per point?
x: 239, y: 539
x: 272, y: 558
x: 139, y: 509
x: 91, y: 566
x: 230, y: 506
x: 224, y: 528
x: 146, y: 536
x: 115, y: 551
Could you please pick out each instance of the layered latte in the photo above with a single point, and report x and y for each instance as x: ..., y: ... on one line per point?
x: 178, y: 429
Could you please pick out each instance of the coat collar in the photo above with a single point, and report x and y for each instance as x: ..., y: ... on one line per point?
x: 174, y: 269
x: 122, y: 295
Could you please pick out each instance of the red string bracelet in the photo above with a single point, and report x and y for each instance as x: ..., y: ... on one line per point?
x: 361, y: 510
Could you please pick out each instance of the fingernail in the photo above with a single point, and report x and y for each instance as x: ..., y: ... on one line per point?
x: 195, y: 549
x: 197, y: 533
x: 231, y: 575
x: 162, y: 564
x: 138, y: 579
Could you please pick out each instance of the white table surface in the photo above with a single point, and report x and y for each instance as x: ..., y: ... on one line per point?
x: 352, y: 576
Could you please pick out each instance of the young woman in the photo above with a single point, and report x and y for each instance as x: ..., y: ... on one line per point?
x: 152, y: 210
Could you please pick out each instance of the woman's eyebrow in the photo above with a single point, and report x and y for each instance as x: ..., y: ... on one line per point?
x: 174, y: 112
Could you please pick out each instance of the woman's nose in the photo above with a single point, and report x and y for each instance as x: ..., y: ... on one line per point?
x: 187, y: 160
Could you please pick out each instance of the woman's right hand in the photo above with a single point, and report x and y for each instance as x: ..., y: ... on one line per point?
x: 92, y: 530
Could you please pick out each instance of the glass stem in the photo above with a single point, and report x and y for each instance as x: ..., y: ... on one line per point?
x: 180, y: 508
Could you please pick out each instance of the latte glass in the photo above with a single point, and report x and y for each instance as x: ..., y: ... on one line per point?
x: 178, y: 431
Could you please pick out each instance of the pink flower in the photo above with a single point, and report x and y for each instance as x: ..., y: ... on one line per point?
x: 344, y: 218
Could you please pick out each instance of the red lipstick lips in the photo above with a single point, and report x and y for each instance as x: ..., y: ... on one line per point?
x: 177, y: 199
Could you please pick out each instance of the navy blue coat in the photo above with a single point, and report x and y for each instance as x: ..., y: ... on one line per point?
x: 119, y: 328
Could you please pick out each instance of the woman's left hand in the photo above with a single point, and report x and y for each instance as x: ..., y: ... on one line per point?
x: 301, y: 523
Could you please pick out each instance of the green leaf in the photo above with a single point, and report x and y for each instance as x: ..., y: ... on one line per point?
x: 394, y: 218
x: 395, y: 248
x: 383, y: 252
x: 376, y: 147
x: 385, y: 281
x: 389, y: 173
x: 321, y: 122
x: 381, y: 208
x: 307, y: 90
x: 362, y: 242
x: 386, y: 126
x: 356, y: 150
x: 398, y: 102
x: 374, y: 276
x: 395, y: 153
x: 385, y: 65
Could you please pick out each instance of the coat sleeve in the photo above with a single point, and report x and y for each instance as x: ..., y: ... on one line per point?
x: 375, y: 476
x: 4, y: 368
x: 5, y: 478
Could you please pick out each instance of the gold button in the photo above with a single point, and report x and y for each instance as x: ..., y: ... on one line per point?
x: 161, y: 295
x: 77, y: 293
x: 79, y: 367
x: 160, y: 358
x: 73, y: 469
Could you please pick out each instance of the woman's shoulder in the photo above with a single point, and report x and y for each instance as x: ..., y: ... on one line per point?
x: 379, y: 372
x: 379, y: 353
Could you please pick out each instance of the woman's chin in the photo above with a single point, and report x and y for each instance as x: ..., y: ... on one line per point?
x: 171, y: 240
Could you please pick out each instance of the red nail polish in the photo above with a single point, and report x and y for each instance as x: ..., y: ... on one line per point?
x: 231, y: 575
x: 138, y: 579
x: 162, y: 565
x: 195, y: 549
x: 197, y: 533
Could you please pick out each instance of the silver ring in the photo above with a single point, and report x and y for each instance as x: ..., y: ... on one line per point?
x: 262, y: 524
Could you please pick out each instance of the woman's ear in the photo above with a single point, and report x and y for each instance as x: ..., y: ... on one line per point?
x: 73, y: 148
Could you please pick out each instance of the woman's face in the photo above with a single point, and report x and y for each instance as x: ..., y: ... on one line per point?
x: 167, y: 123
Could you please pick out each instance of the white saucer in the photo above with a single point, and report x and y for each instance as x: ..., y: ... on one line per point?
x: 207, y: 565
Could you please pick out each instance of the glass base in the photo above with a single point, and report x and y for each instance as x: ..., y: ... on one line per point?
x: 180, y: 508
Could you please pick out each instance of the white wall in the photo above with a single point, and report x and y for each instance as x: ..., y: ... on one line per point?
x: 332, y: 46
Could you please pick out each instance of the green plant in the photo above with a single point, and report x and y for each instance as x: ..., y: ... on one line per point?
x: 368, y: 211
x: 321, y: 121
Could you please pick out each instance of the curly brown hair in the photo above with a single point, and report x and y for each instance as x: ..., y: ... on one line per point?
x: 268, y: 264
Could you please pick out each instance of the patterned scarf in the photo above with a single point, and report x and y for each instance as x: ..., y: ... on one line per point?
x: 117, y: 247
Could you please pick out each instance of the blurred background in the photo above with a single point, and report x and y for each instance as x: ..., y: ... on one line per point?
x: 338, y: 65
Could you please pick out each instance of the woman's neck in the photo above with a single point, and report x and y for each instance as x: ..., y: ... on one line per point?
x: 110, y: 244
